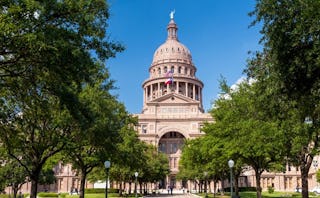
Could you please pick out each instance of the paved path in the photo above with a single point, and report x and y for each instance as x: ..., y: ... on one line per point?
x: 186, y: 195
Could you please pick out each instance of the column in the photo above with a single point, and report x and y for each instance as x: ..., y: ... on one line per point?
x: 194, y: 92
x: 144, y: 94
x: 177, y: 87
x: 151, y: 91
x: 186, y: 89
x: 159, y: 90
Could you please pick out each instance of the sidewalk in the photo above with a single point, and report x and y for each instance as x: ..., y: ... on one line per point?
x: 175, y: 194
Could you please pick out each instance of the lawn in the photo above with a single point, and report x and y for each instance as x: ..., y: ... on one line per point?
x: 264, y: 195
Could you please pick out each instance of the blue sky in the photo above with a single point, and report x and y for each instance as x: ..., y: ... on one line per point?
x: 215, y: 31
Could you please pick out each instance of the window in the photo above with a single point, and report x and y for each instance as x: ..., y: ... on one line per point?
x: 179, y: 70
x: 144, y: 128
x: 159, y: 71
x: 172, y: 69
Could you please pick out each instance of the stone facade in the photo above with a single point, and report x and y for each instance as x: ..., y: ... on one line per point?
x: 172, y: 112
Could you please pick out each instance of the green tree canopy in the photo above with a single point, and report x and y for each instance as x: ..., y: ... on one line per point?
x: 49, y: 51
x: 290, y: 57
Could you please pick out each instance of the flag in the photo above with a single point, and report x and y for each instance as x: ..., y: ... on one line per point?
x: 169, y: 81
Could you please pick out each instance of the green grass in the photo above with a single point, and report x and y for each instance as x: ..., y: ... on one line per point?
x: 264, y: 195
x: 99, y: 195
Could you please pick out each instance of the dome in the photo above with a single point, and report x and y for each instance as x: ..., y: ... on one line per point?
x: 172, y: 49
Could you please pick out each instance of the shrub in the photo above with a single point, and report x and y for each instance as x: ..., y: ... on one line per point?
x: 270, y: 189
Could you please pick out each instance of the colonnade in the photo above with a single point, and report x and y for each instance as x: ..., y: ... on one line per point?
x: 158, y: 89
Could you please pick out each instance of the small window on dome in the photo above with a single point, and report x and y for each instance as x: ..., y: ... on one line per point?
x: 179, y: 70
x: 166, y: 49
x: 165, y: 69
x: 178, y: 49
x: 172, y: 69
x: 173, y: 49
x: 159, y: 70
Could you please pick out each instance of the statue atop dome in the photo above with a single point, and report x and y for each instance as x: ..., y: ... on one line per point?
x: 172, y: 14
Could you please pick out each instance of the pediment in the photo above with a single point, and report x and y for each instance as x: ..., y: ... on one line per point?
x: 174, y: 98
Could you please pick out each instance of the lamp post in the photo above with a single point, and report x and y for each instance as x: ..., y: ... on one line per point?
x: 205, y: 184
x: 135, y: 183
x: 107, y: 165
x: 231, y: 164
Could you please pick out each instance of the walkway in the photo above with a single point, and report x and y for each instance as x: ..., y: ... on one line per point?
x: 186, y: 195
x: 175, y: 194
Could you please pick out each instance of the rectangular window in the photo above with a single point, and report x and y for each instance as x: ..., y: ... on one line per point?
x: 144, y: 129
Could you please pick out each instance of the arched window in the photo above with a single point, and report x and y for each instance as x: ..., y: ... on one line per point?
x: 172, y: 69
x: 179, y: 70
x: 159, y: 71
x: 165, y: 69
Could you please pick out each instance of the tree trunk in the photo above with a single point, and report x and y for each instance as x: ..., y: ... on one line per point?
x: 236, y: 185
x: 258, y: 183
x: 34, y: 188
x: 82, y: 183
x: 15, y: 190
x: 214, y: 188
x: 120, y: 189
x: 222, y: 187
x: 130, y: 187
x: 34, y: 177
x: 305, y: 166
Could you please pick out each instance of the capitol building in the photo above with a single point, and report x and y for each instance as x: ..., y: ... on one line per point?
x: 172, y: 102
x: 173, y: 112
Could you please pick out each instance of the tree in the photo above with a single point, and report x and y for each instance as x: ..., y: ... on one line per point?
x: 97, y: 142
x: 194, y: 161
x: 47, y: 177
x: 244, y: 127
x: 290, y: 57
x: 49, y: 50
x: 38, y: 131
x: 12, y: 173
x: 156, y: 167
x: 130, y: 158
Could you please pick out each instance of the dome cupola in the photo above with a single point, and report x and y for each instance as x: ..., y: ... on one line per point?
x: 172, y: 49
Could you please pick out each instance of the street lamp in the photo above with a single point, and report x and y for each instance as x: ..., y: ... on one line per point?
x: 205, y: 184
x: 107, y: 165
x: 135, y: 183
x: 231, y: 164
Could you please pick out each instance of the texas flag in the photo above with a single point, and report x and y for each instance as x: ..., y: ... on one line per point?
x: 170, y: 79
